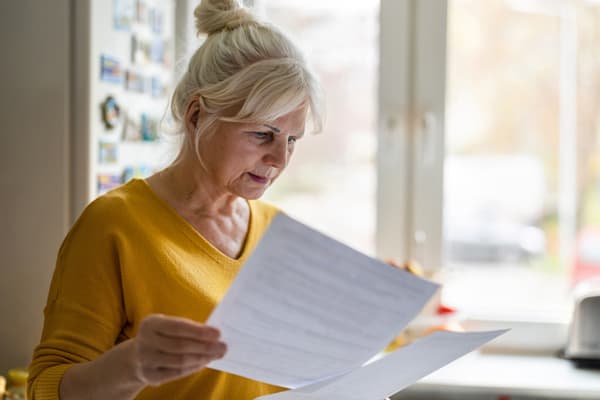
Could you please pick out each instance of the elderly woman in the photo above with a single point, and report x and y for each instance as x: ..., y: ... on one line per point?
x: 145, y: 264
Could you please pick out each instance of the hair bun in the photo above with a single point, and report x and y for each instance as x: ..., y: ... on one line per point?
x: 213, y: 16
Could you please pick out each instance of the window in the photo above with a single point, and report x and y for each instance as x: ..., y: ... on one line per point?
x: 330, y: 182
x: 462, y: 134
x: 521, y: 203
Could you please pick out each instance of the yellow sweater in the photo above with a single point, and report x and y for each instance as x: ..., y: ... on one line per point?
x: 129, y: 255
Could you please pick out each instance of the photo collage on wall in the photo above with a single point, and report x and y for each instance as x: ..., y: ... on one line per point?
x: 135, y: 79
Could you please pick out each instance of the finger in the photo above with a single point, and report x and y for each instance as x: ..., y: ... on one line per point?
x: 178, y: 327
x: 170, y: 345
x: 410, y: 266
x: 395, y: 263
x: 178, y: 361
x: 158, y: 376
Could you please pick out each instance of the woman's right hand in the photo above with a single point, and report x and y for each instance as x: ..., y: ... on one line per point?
x: 168, y: 348
x: 165, y: 348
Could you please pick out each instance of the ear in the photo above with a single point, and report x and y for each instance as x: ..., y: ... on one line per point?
x: 192, y: 115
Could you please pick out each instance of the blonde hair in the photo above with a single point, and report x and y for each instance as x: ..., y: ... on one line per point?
x: 245, y: 71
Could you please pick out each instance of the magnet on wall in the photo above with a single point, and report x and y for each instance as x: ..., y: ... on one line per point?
x: 107, y: 182
x: 149, y: 128
x: 135, y: 81
x: 142, y: 50
x: 157, y: 87
x: 157, y: 51
x: 110, y: 69
x: 123, y: 14
x: 136, y: 171
x: 111, y: 112
x: 156, y: 22
x: 141, y: 11
x: 132, y: 131
x: 107, y: 152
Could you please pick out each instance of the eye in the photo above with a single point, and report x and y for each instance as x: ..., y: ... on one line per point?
x: 261, y: 135
x: 292, y: 139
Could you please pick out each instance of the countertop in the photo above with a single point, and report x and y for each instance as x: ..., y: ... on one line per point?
x: 489, y: 374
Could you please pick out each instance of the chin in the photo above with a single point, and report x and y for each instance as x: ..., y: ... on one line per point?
x: 251, y: 194
x: 254, y: 195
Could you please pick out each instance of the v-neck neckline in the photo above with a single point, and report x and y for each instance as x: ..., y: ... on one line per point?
x: 196, y: 236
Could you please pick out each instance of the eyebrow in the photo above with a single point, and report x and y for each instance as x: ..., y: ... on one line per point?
x: 273, y: 128
x: 277, y: 130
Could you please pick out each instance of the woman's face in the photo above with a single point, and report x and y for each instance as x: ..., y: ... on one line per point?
x: 245, y: 159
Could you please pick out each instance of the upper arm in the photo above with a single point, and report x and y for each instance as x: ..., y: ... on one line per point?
x: 84, y: 313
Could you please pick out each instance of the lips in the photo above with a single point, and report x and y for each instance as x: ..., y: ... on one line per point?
x: 258, y: 178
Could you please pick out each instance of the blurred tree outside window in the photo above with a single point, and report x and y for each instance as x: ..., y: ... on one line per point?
x: 522, y: 168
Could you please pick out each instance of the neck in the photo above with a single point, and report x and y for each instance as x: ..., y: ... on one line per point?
x: 191, y: 189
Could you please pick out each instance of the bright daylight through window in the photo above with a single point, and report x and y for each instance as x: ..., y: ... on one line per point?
x: 522, y: 145
x: 330, y: 183
x: 522, y: 168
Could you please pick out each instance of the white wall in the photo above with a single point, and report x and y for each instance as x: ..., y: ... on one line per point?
x: 34, y: 161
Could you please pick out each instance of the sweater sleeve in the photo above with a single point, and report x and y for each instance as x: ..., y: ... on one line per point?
x: 84, y: 313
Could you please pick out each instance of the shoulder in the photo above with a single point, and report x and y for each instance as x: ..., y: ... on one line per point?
x: 263, y: 211
x: 113, y: 208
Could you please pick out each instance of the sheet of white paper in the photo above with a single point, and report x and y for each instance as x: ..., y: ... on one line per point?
x: 395, y: 371
x: 305, y: 308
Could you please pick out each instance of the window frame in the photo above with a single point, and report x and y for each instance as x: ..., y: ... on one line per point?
x: 410, y: 155
x: 411, y: 96
x: 410, y: 161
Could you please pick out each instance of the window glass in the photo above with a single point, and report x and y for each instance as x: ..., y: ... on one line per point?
x: 522, y: 167
x: 330, y: 182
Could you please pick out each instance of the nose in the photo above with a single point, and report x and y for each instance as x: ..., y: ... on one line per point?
x: 277, y: 156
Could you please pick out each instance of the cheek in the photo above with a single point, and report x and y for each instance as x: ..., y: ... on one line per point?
x: 237, y: 165
x: 236, y: 156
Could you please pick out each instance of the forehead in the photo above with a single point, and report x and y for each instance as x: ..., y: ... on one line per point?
x: 293, y: 122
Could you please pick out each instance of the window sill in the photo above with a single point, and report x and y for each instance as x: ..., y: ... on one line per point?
x: 542, y: 337
x: 482, y: 374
